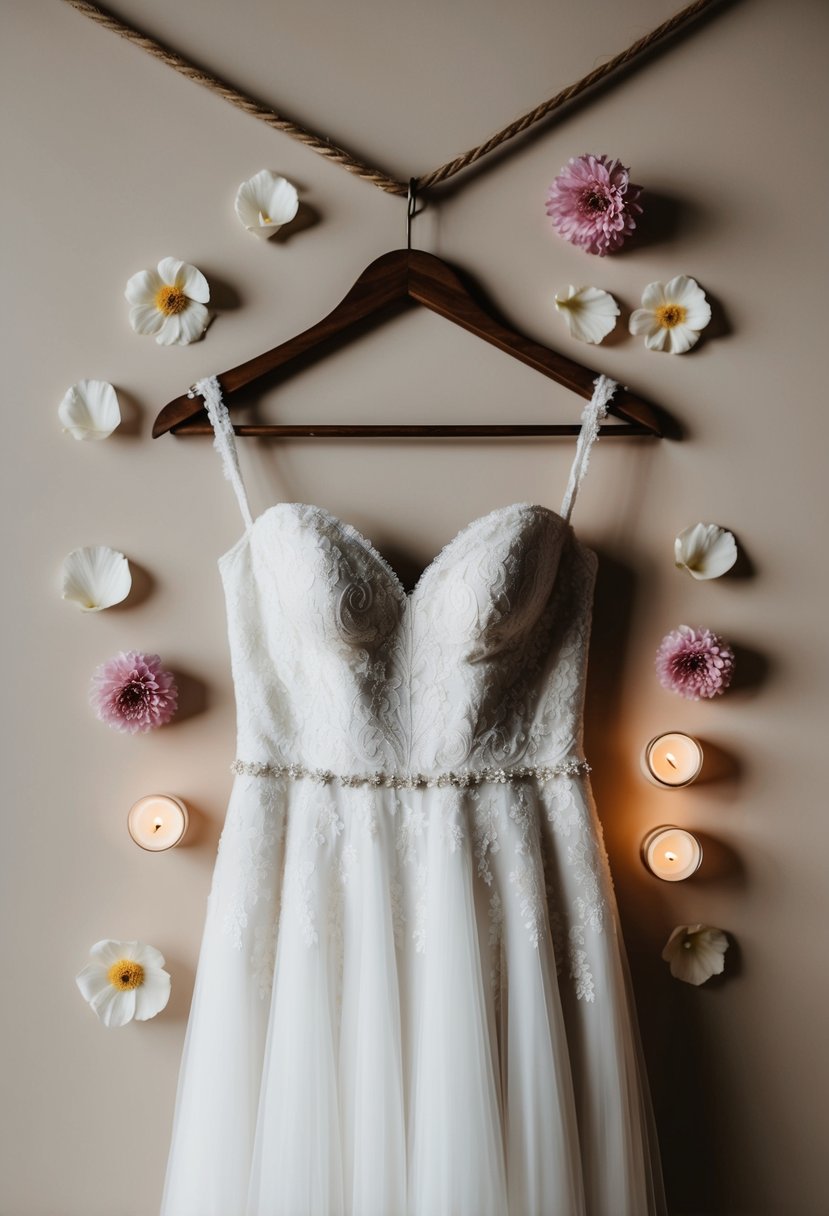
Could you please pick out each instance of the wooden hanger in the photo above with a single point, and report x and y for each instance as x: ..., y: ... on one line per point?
x: 395, y: 278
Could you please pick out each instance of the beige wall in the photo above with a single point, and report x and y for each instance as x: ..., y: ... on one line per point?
x: 110, y: 162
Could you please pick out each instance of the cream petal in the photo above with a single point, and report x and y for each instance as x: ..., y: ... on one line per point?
x: 92, y: 981
x: 96, y: 577
x: 590, y: 313
x: 641, y: 321
x: 265, y: 202
x: 695, y: 953
x: 657, y: 338
x: 653, y: 295
x: 697, y: 314
x: 115, y: 1007
x: 193, y: 283
x: 143, y: 287
x: 681, y: 338
x: 682, y: 289
x: 170, y: 332
x: 169, y: 270
x: 152, y: 996
x: 90, y: 410
x: 705, y: 551
x: 147, y: 956
x: 193, y: 322
x: 146, y: 319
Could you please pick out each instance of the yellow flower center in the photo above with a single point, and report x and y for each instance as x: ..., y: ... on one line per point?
x: 126, y: 974
x: 170, y: 300
x: 669, y: 315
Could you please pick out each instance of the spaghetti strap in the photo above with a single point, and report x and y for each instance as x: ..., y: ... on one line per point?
x: 591, y: 418
x: 225, y: 440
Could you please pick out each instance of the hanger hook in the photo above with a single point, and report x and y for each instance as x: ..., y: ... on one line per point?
x: 411, y: 210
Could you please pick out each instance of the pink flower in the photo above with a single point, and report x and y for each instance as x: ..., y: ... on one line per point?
x: 593, y: 202
x: 132, y: 692
x: 694, y: 663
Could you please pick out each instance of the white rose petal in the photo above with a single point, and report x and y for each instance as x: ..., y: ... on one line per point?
x: 705, y: 551
x: 96, y: 577
x: 590, y: 313
x: 265, y: 202
x: 90, y: 410
x: 695, y: 953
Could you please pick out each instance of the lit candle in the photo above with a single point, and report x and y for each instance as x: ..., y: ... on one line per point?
x: 157, y: 822
x: 673, y: 759
x: 671, y: 853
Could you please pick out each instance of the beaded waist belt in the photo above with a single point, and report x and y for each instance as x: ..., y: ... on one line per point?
x: 414, y: 781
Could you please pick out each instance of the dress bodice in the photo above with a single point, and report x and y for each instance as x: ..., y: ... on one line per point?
x: 337, y: 668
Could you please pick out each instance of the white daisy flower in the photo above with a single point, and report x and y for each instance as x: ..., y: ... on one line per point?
x: 90, y: 410
x: 169, y: 302
x: 124, y: 980
x: 695, y: 953
x: 590, y: 313
x: 672, y: 315
x: 265, y: 202
x: 96, y: 577
x: 705, y: 551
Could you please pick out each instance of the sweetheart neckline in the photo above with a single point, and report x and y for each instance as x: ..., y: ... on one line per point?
x: 371, y: 549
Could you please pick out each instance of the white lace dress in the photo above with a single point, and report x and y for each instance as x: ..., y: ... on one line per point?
x: 411, y: 996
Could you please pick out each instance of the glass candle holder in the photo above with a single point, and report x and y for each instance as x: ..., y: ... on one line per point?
x: 671, y: 854
x: 157, y: 822
x: 672, y: 760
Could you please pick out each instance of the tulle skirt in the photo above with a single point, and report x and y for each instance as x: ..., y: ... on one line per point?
x: 411, y: 1003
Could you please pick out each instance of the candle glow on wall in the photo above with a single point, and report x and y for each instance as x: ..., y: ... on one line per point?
x: 671, y: 853
x: 672, y: 760
x: 157, y: 822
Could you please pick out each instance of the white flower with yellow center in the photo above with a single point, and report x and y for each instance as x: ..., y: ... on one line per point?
x: 169, y: 302
x: 695, y: 953
x: 124, y: 980
x: 265, y: 202
x: 672, y: 315
x: 590, y: 313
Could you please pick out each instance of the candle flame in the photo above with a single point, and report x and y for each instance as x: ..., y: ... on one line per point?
x: 159, y: 823
x: 671, y: 758
x: 669, y: 856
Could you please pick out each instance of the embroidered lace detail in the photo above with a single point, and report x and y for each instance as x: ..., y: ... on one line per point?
x: 591, y: 419
x: 394, y: 781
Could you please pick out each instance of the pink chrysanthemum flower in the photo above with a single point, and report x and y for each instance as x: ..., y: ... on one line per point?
x: 694, y: 663
x: 132, y: 692
x: 593, y: 203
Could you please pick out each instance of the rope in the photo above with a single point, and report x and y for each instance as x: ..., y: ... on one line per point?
x: 324, y: 147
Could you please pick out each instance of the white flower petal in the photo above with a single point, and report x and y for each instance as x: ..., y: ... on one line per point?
x: 147, y: 956
x: 641, y: 321
x: 657, y: 338
x: 146, y: 318
x: 143, y: 287
x: 96, y: 577
x: 92, y: 981
x: 705, y: 551
x: 681, y: 338
x: 697, y: 314
x: 653, y: 296
x: 152, y: 996
x: 115, y: 1007
x: 193, y: 322
x: 682, y: 289
x: 169, y: 270
x: 695, y: 952
x: 193, y: 283
x: 90, y: 410
x: 265, y: 202
x: 170, y: 332
x: 590, y: 313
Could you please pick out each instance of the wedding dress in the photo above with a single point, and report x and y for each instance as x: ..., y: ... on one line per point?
x: 412, y: 995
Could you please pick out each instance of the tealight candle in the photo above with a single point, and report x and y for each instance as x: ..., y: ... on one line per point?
x: 157, y: 821
x: 672, y: 759
x: 671, y: 853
